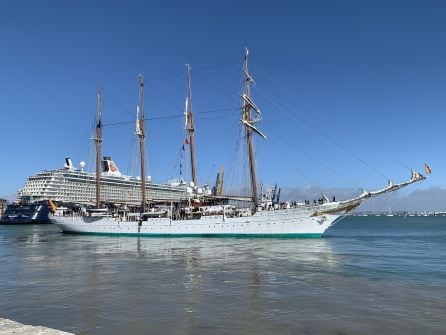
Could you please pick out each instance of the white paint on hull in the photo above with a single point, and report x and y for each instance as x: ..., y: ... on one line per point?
x: 282, y: 222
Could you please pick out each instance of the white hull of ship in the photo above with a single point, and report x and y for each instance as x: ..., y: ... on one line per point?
x: 310, y: 221
x: 286, y: 223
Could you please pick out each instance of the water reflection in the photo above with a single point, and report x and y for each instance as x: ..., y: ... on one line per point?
x: 103, y: 285
x: 196, y: 273
x: 207, y: 251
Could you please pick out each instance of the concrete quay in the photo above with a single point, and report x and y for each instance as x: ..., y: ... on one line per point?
x: 9, y: 327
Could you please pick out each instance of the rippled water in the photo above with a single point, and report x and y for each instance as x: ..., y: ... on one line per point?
x: 368, y: 275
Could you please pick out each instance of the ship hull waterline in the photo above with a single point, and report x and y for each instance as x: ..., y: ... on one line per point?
x: 214, y: 226
x: 26, y: 215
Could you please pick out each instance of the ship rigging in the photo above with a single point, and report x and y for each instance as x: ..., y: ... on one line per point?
x: 185, y: 219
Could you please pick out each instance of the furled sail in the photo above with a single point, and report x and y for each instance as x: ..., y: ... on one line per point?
x: 350, y: 204
x: 138, y: 126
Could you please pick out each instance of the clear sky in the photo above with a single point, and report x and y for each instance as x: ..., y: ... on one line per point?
x: 331, y: 78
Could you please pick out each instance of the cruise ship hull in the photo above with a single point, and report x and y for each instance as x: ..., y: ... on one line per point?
x: 283, y: 223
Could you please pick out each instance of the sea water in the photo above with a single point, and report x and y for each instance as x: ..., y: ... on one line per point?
x: 367, y: 275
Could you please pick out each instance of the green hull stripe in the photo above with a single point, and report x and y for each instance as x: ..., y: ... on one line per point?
x: 200, y: 235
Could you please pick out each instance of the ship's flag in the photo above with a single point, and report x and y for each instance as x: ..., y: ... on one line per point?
x: 427, y: 169
x: 186, y: 141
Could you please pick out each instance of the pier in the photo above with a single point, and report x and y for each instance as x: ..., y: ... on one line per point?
x: 9, y: 327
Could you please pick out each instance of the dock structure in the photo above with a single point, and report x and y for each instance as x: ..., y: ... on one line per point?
x: 9, y: 327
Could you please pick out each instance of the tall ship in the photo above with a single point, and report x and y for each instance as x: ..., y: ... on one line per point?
x: 214, y: 215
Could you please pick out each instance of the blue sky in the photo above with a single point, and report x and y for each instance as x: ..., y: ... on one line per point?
x: 325, y: 72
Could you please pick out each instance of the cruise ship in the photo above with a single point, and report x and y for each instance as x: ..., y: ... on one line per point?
x: 70, y: 185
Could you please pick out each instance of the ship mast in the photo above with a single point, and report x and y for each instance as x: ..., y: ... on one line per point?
x: 98, y: 141
x: 190, y: 126
x: 140, y: 132
x: 247, y: 121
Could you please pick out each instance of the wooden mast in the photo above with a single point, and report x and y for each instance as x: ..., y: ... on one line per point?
x: 190, y: 126
x: 246, y: 119
x: 98, y: 141
x: 140, y: 132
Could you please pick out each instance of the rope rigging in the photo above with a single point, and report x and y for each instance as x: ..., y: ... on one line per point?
x: 344, y: 127
x: 317, y: 161
x: 292, y: 112
x: 321, y: 134
x: 218, y: 88
x: 169, y: 117
x: 297, y: 168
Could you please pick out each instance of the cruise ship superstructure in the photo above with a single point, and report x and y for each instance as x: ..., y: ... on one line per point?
x: 71, y: 185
